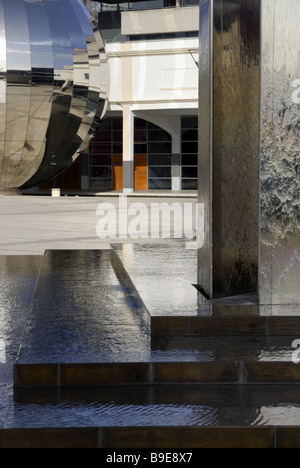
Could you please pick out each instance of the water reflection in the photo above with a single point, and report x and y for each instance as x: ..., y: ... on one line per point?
x: 80, y: 313
x: 184, y: 406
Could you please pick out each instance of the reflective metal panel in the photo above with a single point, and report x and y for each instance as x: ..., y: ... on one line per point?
x: 50, y: 99
x: 228, y: 142
x: 250, y: 151
x: 280, y: 153
x: 205, y: 167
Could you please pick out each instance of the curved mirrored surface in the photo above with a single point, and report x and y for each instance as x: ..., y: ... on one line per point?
x: 53, y: 87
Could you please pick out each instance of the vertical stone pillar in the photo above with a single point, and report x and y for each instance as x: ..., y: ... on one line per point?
x: 249, y: 147
x: 128, y: 150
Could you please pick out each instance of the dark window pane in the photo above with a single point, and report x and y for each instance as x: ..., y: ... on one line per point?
x: 160, y: 147
x: 159, y: 160
x: 189, y: 184
x: 101, y: 171
x: 117, y: 148
x: 158, y: 135
x: 117, y: 124
x: 189, y: 122
x: 101, y: 184
x: 117, y: 135
x: 100, y: 160
x: 159, y: 184
x: 159, y: 172
x: 140, y: 148
x: 190, y: 147
x: 189, y: 172
x: 189, y: 159
x: 140, y: 123
x: 101, y: 148
x: 140, y: 135
x: 103, y: 136
x: 152, y: 126
x: 190, y: 135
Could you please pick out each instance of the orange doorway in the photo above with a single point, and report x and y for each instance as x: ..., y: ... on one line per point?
x: 117, y: 172
x: 140, y: 172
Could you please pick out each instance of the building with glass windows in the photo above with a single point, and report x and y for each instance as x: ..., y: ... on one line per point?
x: 148, y: 139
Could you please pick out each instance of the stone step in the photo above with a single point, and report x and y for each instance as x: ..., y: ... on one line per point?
x: 154, y: 438
x: 155, y: 373
x: 226, y: 326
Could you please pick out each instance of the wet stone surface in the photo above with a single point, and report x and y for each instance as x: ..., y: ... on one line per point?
x: 163, y: 276
x: 18, y: 278
x: 81, y: 314
x: 156, y: 406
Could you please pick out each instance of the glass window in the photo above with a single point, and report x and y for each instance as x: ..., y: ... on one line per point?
x: 103, y: 135
x: 189, y: 122
x: 140, y: 135
x: 160, y: 147
x: 159, y: 160
x: 118, y: 135
x: 100, y: 171
x: 100, y: 160
x: 189, y: 184
x: 189, y: 172
x: 117, y: 148
x: 190, y: 147
x: 190, y: 135
x: 140, y: 148
x: 159, y: 172
x: 140, y: 124
x: 159, y: 184
x: 117, y: 124
x: 189, y: 159
x: 102, y: 148
x: 158, y: 135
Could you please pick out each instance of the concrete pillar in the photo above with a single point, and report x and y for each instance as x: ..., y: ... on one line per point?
x: 128, y: 149
x: 249, y: 146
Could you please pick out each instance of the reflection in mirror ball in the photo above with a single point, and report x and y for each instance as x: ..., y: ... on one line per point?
x: 53, y: 87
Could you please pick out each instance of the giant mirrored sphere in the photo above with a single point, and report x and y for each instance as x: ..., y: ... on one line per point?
x: 53, y: 87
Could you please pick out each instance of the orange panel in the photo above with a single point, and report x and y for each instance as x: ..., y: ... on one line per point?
x: 117, y: 172
x: 140, y: 172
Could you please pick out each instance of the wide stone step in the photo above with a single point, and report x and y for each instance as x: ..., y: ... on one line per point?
x: 226, y: 326
x: 154, y: 438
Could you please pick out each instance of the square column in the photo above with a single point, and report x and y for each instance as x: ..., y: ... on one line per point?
x: 128, y: 149
x: 249, y: 147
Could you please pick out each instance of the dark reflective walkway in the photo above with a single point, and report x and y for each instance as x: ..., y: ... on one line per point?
x: 81, y: 314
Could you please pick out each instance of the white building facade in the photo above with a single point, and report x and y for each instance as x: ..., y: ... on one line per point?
x: 148, y: 140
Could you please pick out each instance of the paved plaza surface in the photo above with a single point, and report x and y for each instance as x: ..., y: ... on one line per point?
x: 29, y: 225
